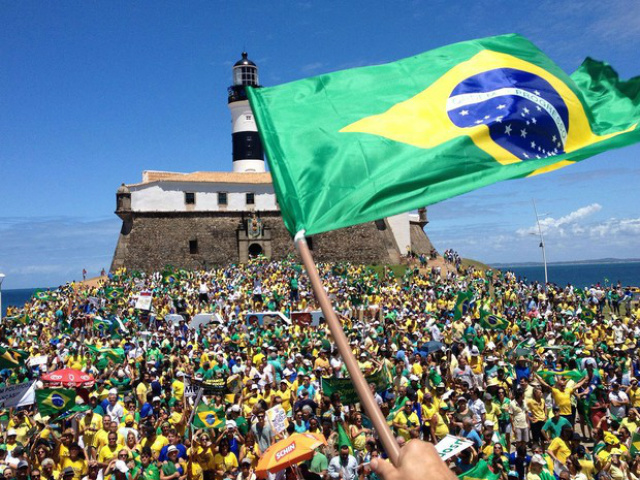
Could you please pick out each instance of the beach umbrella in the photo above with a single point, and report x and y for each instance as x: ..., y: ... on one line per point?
x: 289, y: 451
x: 68, y: 377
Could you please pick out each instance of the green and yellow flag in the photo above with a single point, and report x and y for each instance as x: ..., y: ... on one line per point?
x: 12, y: 357
x: 205, y: 417
x: 635, y: 444
x: 358, y: 145
x: 493, y: 322
x: 53, y: 401
x: 463, y: 303
x: 480, y: 472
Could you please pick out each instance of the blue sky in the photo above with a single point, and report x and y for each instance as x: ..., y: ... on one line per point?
x: 92, y: 93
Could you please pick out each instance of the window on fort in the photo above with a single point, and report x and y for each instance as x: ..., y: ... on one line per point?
x: 251, y: 198
x: 189, y: 198
x: 193, y: 247
x: 310, y: 242
x: 222, y: 198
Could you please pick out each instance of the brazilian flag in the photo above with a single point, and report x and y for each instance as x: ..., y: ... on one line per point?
x: 115, y: 354
x: 433, y: 126
x: 463, y: 302
x: 493, y: 322
x: 43, y: 295
x: 12, y: 357
x: 54, y: 401
x: 480, y: 472
x: 588, y: 316
x: 113, y: 293
x: 206, y: 417
x: 101, y: 324
x: 575, y: 375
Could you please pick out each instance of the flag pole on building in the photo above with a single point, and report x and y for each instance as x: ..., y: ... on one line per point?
x: 362, y: 388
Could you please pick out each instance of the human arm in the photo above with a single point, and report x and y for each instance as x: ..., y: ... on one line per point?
x: 418, y: 460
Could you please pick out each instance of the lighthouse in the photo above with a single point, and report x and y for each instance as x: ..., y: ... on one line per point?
x: 248, y: 155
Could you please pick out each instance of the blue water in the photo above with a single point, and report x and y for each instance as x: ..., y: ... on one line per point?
x: 15, y: 297
x: 583, y: 275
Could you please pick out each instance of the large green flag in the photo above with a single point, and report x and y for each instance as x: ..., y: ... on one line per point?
x: 206, y: 417
x: 358, y: 145
x: 635, y: 444
x: 493, y: 322
x: 479, y: 472
x: 53, y: 401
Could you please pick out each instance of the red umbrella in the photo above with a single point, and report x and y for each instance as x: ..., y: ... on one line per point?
x: 68, y: 377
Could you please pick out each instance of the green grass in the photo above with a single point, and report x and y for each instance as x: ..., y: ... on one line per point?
x: 467, y: 262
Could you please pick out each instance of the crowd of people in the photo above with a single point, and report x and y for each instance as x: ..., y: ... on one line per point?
x: 543, y: 380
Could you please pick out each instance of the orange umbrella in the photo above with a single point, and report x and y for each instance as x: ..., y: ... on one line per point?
x: 289, y: 451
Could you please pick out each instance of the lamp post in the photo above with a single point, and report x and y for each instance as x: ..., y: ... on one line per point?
x: 2, y: 275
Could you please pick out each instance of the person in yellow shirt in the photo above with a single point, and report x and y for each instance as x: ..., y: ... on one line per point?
x: 76, y: 461
x: 153, y: 441
x: 562, y: 395
x: 109, y: 451
x: 406, y: 422
x: 88, y: 428
x: 225, y: 461
x: 559, y: 449
x: 21, y: 424
x: 177, y: 387
x: 286, y: 396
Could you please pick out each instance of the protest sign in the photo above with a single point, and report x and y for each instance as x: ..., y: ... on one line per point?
x: 18, y: 395
x: 277, y: 419
x: 450, y: 446
x: 347, y: 391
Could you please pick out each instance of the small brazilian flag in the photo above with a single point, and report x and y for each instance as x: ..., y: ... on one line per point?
x: 480, y: 472
x: 588, y: 316
x: 12, y: 357
x: 113, y: 293
x: 493, y: 322
x: 205, y: 417
x: 43, y: 295
x: 463, y: 303
x: 54, y: 401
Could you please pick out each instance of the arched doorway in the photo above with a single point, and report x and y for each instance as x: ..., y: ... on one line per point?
x: 255, y: 249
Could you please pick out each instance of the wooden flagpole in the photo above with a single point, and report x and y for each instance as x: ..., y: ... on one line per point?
x: 362, y: 388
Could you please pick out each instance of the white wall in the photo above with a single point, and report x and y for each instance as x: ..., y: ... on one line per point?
x: 169, y: 197
x: 401, y: 231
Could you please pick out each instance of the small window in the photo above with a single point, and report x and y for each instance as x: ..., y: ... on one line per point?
x: 193, y: 247
x: 222, y: 198
x: 251, y: 198
x: 189, y: 198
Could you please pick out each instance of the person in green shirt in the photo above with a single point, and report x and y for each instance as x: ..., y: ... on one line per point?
x: 552, y: 427
x: 319, y: 463
x: 146, y: 470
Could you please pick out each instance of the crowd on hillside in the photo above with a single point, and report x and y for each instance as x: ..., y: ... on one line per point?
x: 543, y: 381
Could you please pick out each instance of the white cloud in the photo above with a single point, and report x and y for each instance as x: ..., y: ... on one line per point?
x: 563, y: 226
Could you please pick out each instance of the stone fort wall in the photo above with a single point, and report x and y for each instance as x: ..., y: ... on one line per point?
x: 149, y: 241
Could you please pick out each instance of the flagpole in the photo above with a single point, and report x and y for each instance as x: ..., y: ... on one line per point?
x: 340, y: 339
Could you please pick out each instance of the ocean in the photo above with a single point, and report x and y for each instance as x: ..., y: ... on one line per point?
x: 581, y: 275
x: 17, y: 296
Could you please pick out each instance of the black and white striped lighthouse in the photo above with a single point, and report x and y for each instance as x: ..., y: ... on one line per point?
x: 248, y: 155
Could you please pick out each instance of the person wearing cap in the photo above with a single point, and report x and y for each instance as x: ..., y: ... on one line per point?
x: 67, y: 474
x: 173, y: 468
x: 246, y: 471
x: 536, y: 466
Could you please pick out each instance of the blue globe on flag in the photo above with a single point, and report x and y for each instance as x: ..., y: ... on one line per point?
x: 524, y: 113
x: 57, y: 400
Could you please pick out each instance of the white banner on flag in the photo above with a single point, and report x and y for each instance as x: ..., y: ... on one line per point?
x: 450, y: 446
x: 144, y: 301
x: 190, y: 390
x: 18, y: 395
x: 277, y: 418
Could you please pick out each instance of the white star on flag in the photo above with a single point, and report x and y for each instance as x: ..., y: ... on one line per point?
x: 554, y: 138
x: 538, y: 108
x: 501, y: 106
x: 533, y: 144
x: 534, y: 120
x: 526, y: 110
x: 536, y: 92
x: 523, y: 133
x: 464, y: 112
x: 507, y: 130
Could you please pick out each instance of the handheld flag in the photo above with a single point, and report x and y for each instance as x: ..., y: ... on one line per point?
x: 480, y: 472
x: 12, y: 358
x: 388, y: 139
x: 493, y: 322
x: 206, y: 417
x: 53, y: 401
x: 635, y: 444
x: 343, y: 438
x: 463, y: 303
